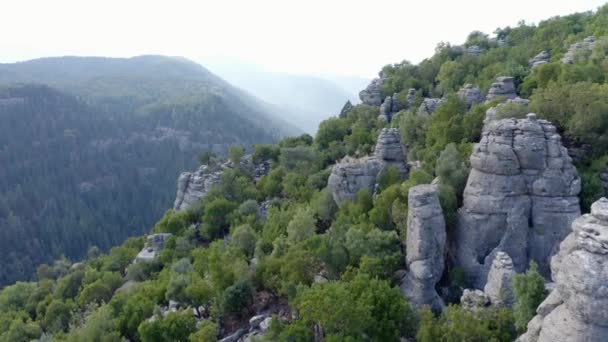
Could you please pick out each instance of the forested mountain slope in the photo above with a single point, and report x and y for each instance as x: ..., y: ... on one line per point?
x: 441, y: 189
x: 95, y: 161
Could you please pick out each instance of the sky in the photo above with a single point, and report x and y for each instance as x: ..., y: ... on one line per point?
x: 349, y: 37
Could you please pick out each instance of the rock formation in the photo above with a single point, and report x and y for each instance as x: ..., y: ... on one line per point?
x: 425, y: 247
x: 503, y: 87
x: 577, y: 310
x: 410, y: 97
x: 540, y: 59
x: 390, y: 107
x: 473, y: 300
x: 578, y: 50
x: 351, y: 175
x: 474, y: 51
x: 372, y: 96
x: 493, y: 112
x: 193, y: 186
x: 520, y: 197
x: 154, y: 244
x: 499, y: 287
x: 470, y: 94
x: 429, y: 105
x: 348, y: 106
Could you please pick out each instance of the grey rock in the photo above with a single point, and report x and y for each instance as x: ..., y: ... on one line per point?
x: 493, y: 112
x: 348, y: 106
x: 501, y: 42
x: 470, y: 94
x: 265, y: 324
x: 503, y: 87
x: 154, y: 244
x: 521, y: 197
x: 234, y: 337
x: 410, y: 97
x: 261, y: 170
x: 372, y: 96
x: 499, y: 287
x: 579, y: 51
x: 473, y: 300
x: 385, y: 109
x: 254, y: 322
x: 542, y: 58
x: 351, y: 175
x: 193, y: 186
x: 474, y: 51
x: 425, y: 246
x: 398, y: 105
x: 577, y: 310
x: 429, y: 105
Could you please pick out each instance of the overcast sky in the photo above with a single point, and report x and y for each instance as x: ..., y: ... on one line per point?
x: 348, y: 37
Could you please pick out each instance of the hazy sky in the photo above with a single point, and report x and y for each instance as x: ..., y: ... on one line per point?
x: 346, y: 37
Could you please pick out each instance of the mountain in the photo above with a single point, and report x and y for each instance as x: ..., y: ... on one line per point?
x: 90, y: 157
x: 305, y: 100
x: 461, y: 200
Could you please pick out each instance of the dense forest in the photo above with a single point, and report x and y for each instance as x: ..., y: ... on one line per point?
x: 280, y: 245
x: 92, y: 159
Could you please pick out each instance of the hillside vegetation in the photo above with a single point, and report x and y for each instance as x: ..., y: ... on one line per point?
x: 334, y: 267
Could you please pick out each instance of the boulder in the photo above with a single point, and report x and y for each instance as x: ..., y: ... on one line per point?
x: 429, y: 105
x: 385, y: 109
x: 193, y: 186
x: 579, y: 51
x: 520, y: 198
x: 425, y: 247
x: 577, y: 310
x: 351, y: 175
x: 154, y: 244
x: 470, y: 94
x: 499, y: 287
x: 503, y: 87
x: 372, y: 96
x: 540, y: 59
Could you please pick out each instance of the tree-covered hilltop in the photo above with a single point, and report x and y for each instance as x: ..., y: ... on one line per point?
x: 274, y: 257
x: 95, y: 162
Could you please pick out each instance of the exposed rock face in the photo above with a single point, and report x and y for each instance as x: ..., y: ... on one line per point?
x: 351, y: 175
x: 425, y: 246
x: 499, y: 287
x: 385, y: 109
x: 579, y: 50
x: 429, y: 105
x: 470, y: 94
x: 193, y: 186
x: 577, y: 310
x: 410, y: 97
x: 474, y: 299
x: 540, y: 59
x: 372, y: 95
x: 520, y: 198
x: 348, y: 106
x: 154, y: 244
x: 503, y: 87
x: 474, y: 51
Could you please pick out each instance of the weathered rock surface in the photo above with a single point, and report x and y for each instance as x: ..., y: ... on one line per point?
x: 499, y: 287
x: 193, y: 186
x: 348, y: 106
x: 470, y: 94
x: 521, y: 197
x: 579, y: 50
x: 410, y: 97
x: 577, y: 310
x: 493, y: 112
x: 540, y: 59
x: 474, y: 51
x: 351, y: 175
x: 386, y: 109
x: 154, y: 244
x: 372, y: 96
x: 429, y: 105
x: 503, y: 87
x: 472, y: 299
x: 425, y: 246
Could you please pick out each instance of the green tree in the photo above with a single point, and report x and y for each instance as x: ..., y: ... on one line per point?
x: 529, y: 290
x: 235, y: 154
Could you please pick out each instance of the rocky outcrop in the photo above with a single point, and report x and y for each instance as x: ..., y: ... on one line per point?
x: 410, y: 97
x: 577, y: 310
x: 540, y: 59
x: 474, y: 51
x: 579, y: 50
x: 348, y: 106
x: 351, y: 175
x: 193, y: 186
x: 372, y: 95
x: 503, y: 87
x: 425, y: 247
x: 521, y: 197
x: 154, y: 244
x: 390, y: 107
x: 499, y: 287
x: 470, y: 94
x: 474, y: 300
x: 429, y: 105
